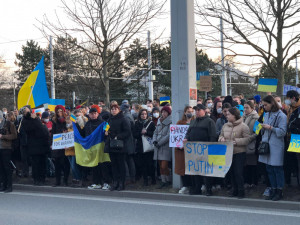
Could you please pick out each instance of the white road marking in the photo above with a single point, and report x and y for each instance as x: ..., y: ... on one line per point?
x: 166, y: 204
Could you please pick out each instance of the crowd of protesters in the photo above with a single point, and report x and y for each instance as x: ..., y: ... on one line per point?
x: 26, y: 138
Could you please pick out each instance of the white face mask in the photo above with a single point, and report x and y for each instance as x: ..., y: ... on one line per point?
x: 155, y: 115
x: 149, y: 109
x: 279, y: 104
x: 46, y: 120
x: 219, y: 110
x: 209, y: 105
x: 132, y: 111
x: 287, y: 102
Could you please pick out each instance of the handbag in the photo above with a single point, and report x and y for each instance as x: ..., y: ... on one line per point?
x: 264, y: 147
x: 147, y: 142
x: 116, y: 144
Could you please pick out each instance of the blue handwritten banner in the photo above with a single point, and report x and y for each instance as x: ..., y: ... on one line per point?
x: 211, y: 159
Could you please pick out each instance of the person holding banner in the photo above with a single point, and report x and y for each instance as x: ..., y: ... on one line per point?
x: 237, y: 132
x: 293, y: 127
x: 250, y: 117
x: 144, y: 160
x: 187, y: 117
x: 202, y: 128
x: 273, y: 132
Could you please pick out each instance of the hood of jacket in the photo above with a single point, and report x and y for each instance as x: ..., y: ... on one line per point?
x: 167, y: 121
x: 253, y: 114
x: 235, y: 123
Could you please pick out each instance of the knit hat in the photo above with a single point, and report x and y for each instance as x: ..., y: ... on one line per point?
x: 45, y: 115
x: 167, y: 109
x: 125, y: 102
x: 257, y: 98
x: 96, y: 107
x: 92, y: 110
x: 60, y: 107
x: 78, y: 107
x: 124, y: 106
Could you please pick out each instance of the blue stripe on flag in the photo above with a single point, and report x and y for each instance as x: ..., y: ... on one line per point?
x: 94, y: 138
x: 165, y: 98
x: 57, y: 136
x: 264, y: 81
x: 217, y: 149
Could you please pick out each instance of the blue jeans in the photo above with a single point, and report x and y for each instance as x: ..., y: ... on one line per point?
x: 75, y: 168
x: 276, y: 176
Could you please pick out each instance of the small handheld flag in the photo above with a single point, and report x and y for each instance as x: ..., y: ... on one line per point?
x: 257, y: 127
x: 106, y: 127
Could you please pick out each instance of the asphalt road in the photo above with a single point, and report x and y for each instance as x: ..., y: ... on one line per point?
x: 22, y: 208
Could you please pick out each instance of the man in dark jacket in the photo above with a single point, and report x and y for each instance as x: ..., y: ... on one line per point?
x: 38, y: 145
x: 202, y: 128
x: 101, y: 177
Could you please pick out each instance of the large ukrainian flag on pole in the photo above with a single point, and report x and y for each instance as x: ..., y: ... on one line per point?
x: 267, y: 85
x: 34, y: 91
x: 89, y: 151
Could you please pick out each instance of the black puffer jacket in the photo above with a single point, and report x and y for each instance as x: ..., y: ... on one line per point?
x: 91, y: 125
x: 120, y: 128
x: 58, y: 128
x: 37, y: 136
x: 139, y: 125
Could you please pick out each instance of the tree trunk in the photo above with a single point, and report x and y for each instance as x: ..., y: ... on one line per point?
x: 279, y: 50
x: 105, y: 77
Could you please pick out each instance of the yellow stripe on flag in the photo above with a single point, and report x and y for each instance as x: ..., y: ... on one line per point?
x: 219, y: 160
x: 267, y: 88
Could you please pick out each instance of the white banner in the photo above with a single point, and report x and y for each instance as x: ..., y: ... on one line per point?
x: 64, y: 140
x: 177, y: 134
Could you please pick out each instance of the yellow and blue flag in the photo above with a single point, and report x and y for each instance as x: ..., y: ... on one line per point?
x: 257, y: 127
x: 165, y: 99
x: 267, y: 85
x: 106, y: 127
x: 73, y: 118
x: 57, y: 137
x: 52, y: 103
x: 34, y: 91
x: 217, y: 155
x: 89, y: 151
x: 294, y: 143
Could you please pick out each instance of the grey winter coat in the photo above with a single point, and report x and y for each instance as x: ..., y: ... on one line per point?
x: 249, y: 120
x: 276, y: 142
x: 161, y: 135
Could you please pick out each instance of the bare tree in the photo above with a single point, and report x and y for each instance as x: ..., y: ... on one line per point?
x: 270, y: 27
x: 105, y: 27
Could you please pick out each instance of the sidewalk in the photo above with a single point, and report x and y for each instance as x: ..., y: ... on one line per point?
x: 163, y: 196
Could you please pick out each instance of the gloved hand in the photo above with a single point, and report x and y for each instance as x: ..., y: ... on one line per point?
x: 155, y: 143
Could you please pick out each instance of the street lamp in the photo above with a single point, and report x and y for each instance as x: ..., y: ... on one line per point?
x: 223, y: 78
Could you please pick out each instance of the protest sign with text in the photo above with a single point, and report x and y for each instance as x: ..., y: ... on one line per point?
x: 64, y: 140
x: 177, y: 134
x: 294, y: 145
x: 212, y: 159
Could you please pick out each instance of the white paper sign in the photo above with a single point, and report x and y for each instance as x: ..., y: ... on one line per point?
x: 64, y: 140
x: 177, y: 134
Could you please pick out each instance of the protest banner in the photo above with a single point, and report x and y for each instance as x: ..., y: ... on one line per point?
x: 212, y: 159
x: 294, y: 143
x: 177, y: 134
x: 287, y: 88
x: 205, y: 83
x: 64, y: 140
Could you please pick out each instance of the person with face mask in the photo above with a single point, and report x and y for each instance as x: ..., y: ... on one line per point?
x: 46, y: 121
x: 293, y: 127
x: 61, y: 162
x: 187, y: 117
x: 278, y: 100
x: 217, y: 111
x: 155, y: 115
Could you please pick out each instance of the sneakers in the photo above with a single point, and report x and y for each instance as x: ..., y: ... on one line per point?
x: 267, y: 192
x: 106, y: 186
x: 95, y: 186
x: 184, y: 190
x: 203, y: 188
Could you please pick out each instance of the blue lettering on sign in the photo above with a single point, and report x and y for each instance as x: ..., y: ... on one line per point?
x: 202, y: 166
x: 189, y: 148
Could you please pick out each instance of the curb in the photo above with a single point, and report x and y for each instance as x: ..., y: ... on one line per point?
x: 215, y: 200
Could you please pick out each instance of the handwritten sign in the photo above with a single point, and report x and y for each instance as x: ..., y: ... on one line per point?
x: 294, y: 143
x: 205, y: 83
x: 64, y: 140
x: 177, y: 134
x: 212, y: 159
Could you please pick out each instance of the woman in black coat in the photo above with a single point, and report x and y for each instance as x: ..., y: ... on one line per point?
x: 119, y: 130
x: 61, y: 161
x: 144, y: 126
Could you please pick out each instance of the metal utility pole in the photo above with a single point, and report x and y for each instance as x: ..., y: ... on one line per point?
x: 223, y: 79
x: 74, y: 98
x: 52, y: 70
x: 183, y: 61
x: 150, y: 80
x: 15, y: 104
x: 297, y: 78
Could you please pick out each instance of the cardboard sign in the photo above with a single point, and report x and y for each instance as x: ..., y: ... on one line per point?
x: 294, y: 143
x: 205, y: 83
x: 64, y: 140
x: 212, y: 159
x: 177, y: 134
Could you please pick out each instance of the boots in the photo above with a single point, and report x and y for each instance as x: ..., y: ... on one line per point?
x: 278, y: 195
x: 272, y: 194
x: 114, y: 186
x: 8, y: 189
x: 121, y: 186
x: 233, y: 193
x: 241, y: 194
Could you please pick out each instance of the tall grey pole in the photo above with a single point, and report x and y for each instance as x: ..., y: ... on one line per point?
x: 297, y: 78
x: 52, y: 70
x: 15, y: 105
x: 223, y: 79
x: 183, y: 61
x: 74, y: 97
x: 150, y: 80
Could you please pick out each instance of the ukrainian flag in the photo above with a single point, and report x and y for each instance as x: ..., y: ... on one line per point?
x: 267, y: 85
x: 73, y: 118
x: 257, y: 127
x: 57, y: 137
x: 217, y: 154
x: 52, y: 103
x: 34, y: 91
x: 89, y: 151
x: 165, y: 99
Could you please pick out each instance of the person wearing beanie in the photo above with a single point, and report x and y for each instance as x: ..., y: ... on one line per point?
x: 46, y: 121
x: 61, y: 162
x: 162, y: 151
